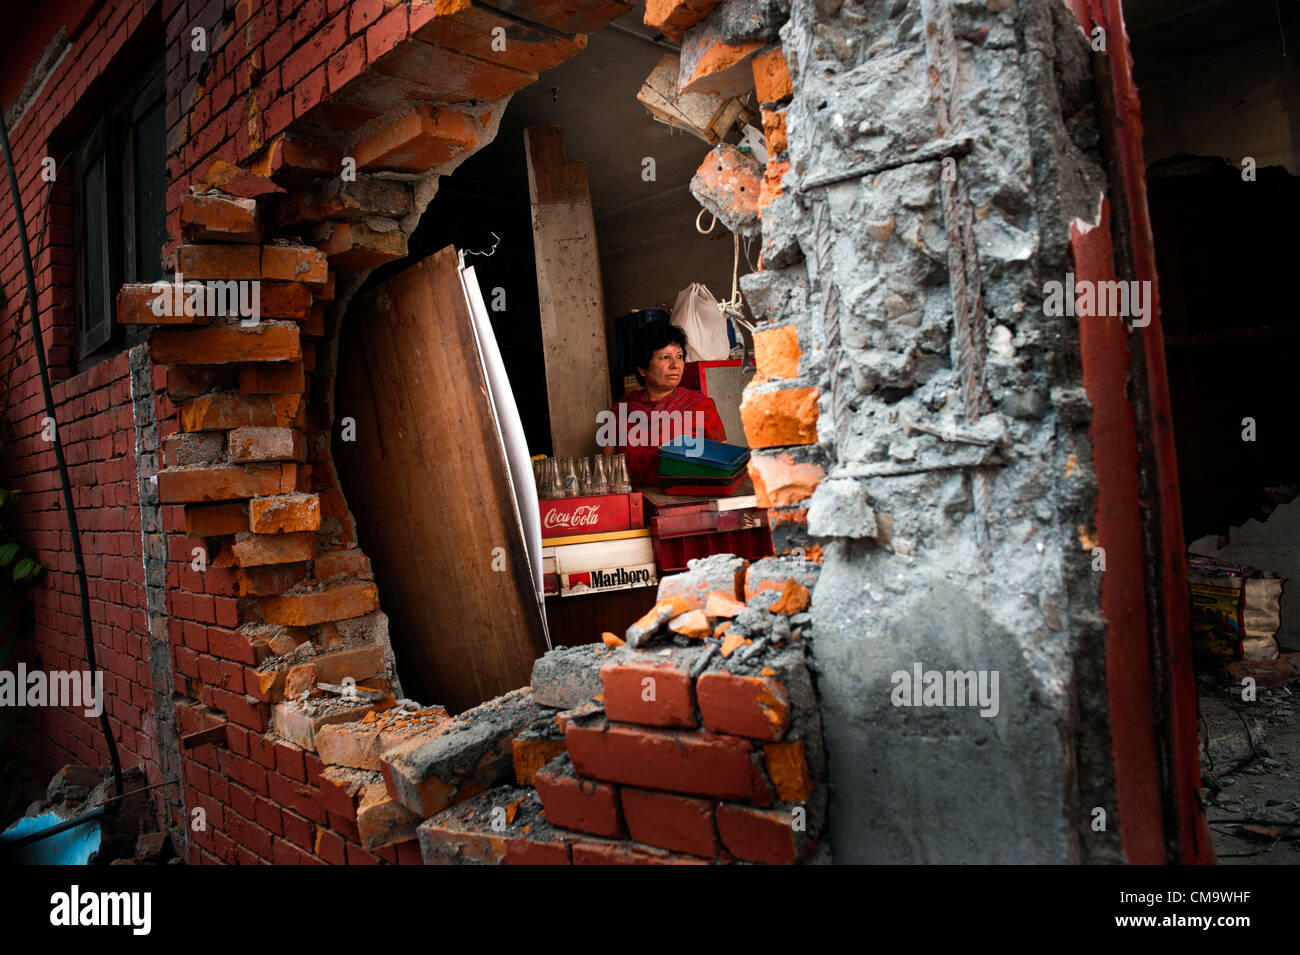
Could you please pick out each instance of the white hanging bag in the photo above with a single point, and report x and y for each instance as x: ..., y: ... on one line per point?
x: 699, y: 315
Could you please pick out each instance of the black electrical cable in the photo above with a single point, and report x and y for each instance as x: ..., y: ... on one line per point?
x: 68, y: 506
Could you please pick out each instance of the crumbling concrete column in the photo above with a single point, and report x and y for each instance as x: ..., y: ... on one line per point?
x: 940, y: 151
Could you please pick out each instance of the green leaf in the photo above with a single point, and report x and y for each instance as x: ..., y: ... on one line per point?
x: 7, y: 554
x: 24, y: 569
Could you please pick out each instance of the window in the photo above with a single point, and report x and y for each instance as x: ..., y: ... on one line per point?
x: 120, y: 182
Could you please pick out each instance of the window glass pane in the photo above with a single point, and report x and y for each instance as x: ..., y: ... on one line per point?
x: 150, y: 178
x: 92, y: 190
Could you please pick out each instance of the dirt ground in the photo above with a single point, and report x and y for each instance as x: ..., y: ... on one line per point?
x: 1250, y: 762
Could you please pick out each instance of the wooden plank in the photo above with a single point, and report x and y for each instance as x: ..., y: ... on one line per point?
x: 569, y: 291
x: 428, y: 485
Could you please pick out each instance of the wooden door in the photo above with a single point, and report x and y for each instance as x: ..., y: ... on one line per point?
x: 428, y: 484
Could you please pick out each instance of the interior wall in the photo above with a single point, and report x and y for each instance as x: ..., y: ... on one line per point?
x: 1215, y: 79
x: 650, y: 251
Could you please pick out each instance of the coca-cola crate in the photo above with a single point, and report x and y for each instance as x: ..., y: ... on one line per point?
x: 672, y: 553
x: 566, y: 516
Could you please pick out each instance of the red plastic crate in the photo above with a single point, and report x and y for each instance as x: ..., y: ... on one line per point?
x: 672, y: 553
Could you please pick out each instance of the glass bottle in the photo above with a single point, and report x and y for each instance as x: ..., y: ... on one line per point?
x: 584, y: 477
x: 553, y: 478
x: 569, y: 478
x: 622, y: 483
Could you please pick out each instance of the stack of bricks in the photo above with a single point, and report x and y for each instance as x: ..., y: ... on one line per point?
x: 268, y: 593
x: 678, y: 745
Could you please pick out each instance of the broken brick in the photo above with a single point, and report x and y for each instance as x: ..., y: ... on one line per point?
x: 779, y: 417
x: 284, y: 513
x: 772, y: 77
x: 210, y: 218
x: 266, y: 341
x: 339, y: 601
x: 753, y: 706
x: 420, y: 139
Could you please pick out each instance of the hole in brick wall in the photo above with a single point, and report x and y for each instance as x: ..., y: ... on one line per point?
x: 432, y: 567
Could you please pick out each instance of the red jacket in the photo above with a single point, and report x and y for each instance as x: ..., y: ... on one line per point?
x: 643, y: 459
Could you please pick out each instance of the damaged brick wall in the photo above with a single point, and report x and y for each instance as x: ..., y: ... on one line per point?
x: 919, y: 433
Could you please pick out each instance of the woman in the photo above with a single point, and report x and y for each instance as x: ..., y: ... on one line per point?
x: 661, y: 410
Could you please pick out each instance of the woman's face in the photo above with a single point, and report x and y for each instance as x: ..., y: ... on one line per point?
x: 666, y: 367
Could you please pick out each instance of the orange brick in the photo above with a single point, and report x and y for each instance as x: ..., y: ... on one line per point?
x: 355, y: 246
x: 468, y: 28
x: 267, y: 444
x: 313, y: 326
x: 732, y: 178
x: 293, y: 263
x: 236, y: 181
x: 761, y: 835
x: 350, y: 563
x: 716, y: 68
x: 381, y: 820
x: 795, y: 598
x: 781, y: 482
x: 751, y: 706
x: 258, y: 550
x: 190, y: 381
x: 290, y: 411
x: 268, y: 580
x: 337, y: 602
x: 221, y: 412
x: 272, y: 378
x: 325, y: 291
x: 285, y: 513
x: 787, y: 768
x: 195, y: 485
x: 783, y: 417
x: 219, y: 219
x: 136, y: 304
x: 292, y: 158
x: 267, y: 341
x: 299, y: 679
x: 202, y: 262
x: 772, y: 176
x: 216, y: 520
x: 774, y: 131
x: 672, y: 17
x: 772, y: 77
x: 417, y: 141
x: 290, y: 300
x: 776, y: 351
x: 530, y: 755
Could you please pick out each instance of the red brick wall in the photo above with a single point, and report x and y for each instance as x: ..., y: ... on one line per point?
x: 93, y: 414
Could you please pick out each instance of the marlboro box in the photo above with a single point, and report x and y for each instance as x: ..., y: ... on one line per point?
x: 610, y: 578
x: 567, y: 516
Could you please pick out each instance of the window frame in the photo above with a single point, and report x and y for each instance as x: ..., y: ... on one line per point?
x: 111, y: 141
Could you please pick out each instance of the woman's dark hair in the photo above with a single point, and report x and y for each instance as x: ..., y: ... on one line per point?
x: 651, y: 337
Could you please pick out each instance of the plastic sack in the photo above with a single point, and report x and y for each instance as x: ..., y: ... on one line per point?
x: 696, y: 312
